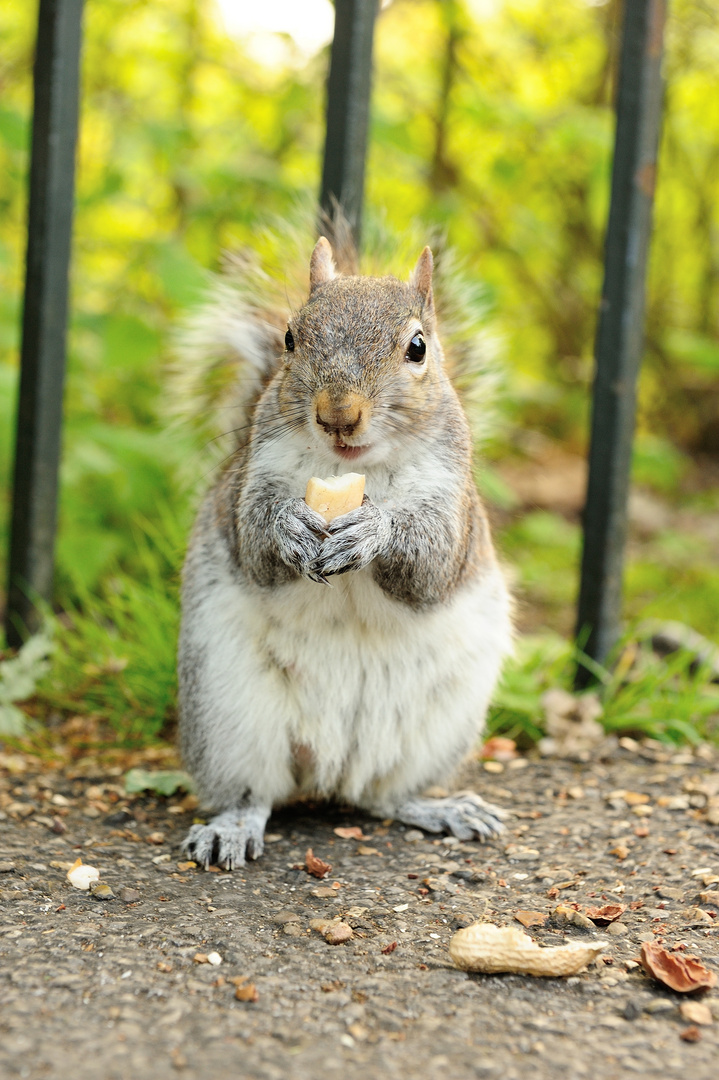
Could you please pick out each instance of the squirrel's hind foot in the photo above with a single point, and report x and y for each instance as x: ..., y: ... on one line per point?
x: 229, y: 839
x: 465, y: 814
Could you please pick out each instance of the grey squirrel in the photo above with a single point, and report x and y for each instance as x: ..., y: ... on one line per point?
x: 373, y: 689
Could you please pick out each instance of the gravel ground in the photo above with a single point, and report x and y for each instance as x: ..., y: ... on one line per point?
x: 113, y: 988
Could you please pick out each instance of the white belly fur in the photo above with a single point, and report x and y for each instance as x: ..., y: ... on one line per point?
x: 381, y: 699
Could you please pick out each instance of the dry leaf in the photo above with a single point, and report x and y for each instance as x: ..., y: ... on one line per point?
x: 362, y: 850
x: 247, y: 992
x: 494, y: 949
x: 350, y: 832
x: 530, y: 918
x: 690, y: 1034
x: 200, y: 958
x: 389, y: 948
x: 681, y: 973
x: 607, y: 914
x: 621, y: 851
x: 314, y: 866
x: 190, y: 865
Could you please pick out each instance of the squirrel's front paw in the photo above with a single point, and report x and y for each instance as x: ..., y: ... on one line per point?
x: 299, y: 533
x: 354, y: 540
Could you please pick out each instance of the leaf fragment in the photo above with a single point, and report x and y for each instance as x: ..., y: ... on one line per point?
x: 609, y: 913
x: 681, y: 973
x: 316, y: 866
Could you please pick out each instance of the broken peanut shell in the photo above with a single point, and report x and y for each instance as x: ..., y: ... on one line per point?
x: 493, y: 949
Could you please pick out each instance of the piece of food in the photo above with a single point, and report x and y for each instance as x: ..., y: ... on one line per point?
x: 80, y: 875
x: 335, y: 495
x: 316, y: 866
x: 494, y: 949
x: 681, y: 973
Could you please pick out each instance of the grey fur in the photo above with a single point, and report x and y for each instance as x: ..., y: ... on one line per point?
x: 256, y: 676
x: 466, y: 815
x: 229, y: 838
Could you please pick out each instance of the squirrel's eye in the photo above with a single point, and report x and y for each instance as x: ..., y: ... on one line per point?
x: 289, y: 341
x: 416, y: 349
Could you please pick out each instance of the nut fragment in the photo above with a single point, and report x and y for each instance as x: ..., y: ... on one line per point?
x: 80, y: 875
x: 493, y: 949
x: 335, y: 495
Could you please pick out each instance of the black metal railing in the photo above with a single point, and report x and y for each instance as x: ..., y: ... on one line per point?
x: 619, y: 337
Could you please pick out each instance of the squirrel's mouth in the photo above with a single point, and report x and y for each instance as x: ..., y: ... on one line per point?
x: 349, y: 453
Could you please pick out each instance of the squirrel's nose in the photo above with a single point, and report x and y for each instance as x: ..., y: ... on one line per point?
x: 339, y: 418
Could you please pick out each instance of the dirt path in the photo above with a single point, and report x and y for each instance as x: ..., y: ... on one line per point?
x: 112, y: 989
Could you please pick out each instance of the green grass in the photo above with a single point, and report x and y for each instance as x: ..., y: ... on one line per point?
x: 646, y: 696
x: 115, y: 650
x: 115, y: 659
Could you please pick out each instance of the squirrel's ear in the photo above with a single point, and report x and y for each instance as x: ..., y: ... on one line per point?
x: 322, y: 266
x: 421, y: 279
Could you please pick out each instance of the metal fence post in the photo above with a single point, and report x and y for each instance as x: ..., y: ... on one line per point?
x: 348, y: 94
x: 620, y: 332
x: 39, y: 414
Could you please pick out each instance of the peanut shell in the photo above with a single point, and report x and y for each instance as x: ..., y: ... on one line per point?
x: 493, y: 949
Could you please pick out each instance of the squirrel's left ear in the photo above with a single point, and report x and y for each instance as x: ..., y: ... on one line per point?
x: 421, y: 280
x: 322, y: 265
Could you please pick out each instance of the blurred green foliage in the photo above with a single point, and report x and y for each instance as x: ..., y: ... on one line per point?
x: 491, y: 122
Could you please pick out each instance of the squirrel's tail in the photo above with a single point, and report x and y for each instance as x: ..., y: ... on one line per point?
x: 226, y: 352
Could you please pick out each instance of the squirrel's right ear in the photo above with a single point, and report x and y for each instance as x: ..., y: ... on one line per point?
x: 421, y: 280
x: 322, y: 265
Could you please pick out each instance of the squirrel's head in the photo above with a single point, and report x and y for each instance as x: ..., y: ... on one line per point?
x: 362, y: 363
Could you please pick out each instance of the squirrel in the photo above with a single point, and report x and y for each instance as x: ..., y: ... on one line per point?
x: 375, y: 688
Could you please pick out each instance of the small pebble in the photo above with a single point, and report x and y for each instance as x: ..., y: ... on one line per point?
x: 120, y: 817
x: 101, y: 891
x: 7, y: 867
x: 617, y: 929
x: 668, y: 892
x: 659, y: 1005
x: 214, y: 958
x: 413, y: 836
x: 631, y: 1010
x: 292, y: 929
x: 696, y: 1012
x: 129, y: 895
x: 338, y: 933
x: 284, y: 916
